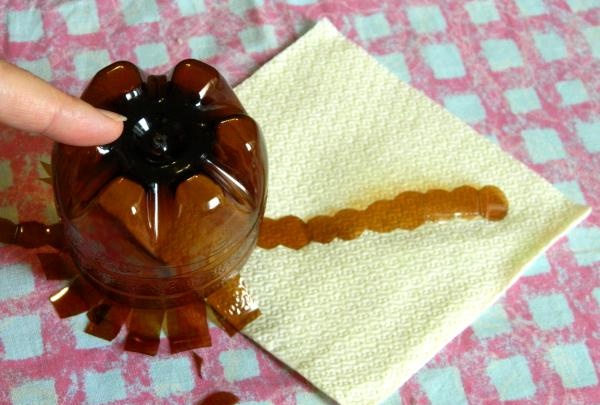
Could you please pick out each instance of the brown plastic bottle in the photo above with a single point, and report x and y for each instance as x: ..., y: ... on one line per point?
x: 169, y: 212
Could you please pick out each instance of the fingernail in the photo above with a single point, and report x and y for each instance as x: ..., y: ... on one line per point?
x: 113, y: 115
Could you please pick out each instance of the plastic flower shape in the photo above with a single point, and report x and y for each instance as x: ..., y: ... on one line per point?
x: 160, y: 221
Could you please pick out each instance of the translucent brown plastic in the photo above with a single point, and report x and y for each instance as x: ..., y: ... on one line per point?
x: 198, y: 362
x: 31, y: 234
x: 176, y: 201
x: 220, y: 398
x: 233, y: 304
x: 408, y: 210
x: 162, y: 218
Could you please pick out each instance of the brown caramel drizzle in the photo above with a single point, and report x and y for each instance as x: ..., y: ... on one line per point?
x: 408, y: 210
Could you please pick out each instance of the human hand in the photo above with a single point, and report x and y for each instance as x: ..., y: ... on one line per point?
x: 30, y: 104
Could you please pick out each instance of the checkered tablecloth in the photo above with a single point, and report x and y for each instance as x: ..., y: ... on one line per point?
x: 524, y: 73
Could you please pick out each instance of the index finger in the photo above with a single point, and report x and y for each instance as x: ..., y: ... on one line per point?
x: 30, y: 104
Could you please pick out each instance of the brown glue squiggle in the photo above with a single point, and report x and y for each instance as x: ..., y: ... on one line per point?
x: 408, y: 210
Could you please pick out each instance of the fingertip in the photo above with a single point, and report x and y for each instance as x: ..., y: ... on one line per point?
x: 112, y: 134
x: 87, y: 126
x: 113, y: 115
x: 108, y: 131
x: 101, y: 127
x: 88, y: 134
x: 57, y: 115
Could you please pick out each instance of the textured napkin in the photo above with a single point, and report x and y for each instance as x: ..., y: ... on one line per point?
x: 358, y: 318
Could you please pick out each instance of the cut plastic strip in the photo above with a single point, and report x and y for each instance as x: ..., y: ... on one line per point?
x: 225, y: 325
x: 144, y: 330
x: 187, y: 327
x: 31, y: 234
x: 220, y: 398
x: 106, y: 319
x: 47, y: 168
x: 57, y: 266
x: 233, y: 303
x: 75, y: 298
x: 198, y: 362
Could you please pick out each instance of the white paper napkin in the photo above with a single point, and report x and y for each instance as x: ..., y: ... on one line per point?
x: 358, y: 318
